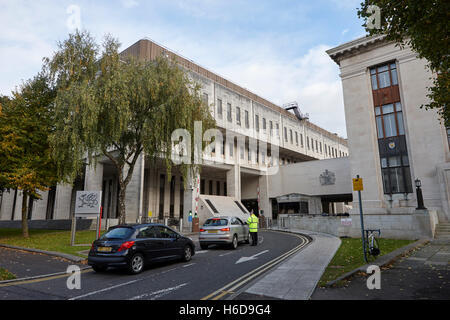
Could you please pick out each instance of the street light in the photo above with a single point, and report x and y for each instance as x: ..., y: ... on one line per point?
x: 420, y: 205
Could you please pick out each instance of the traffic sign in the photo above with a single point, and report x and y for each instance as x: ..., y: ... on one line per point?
x: 358, y: 184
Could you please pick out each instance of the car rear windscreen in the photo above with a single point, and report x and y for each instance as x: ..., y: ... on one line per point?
x: 118, y: 233
x: 215, y: 223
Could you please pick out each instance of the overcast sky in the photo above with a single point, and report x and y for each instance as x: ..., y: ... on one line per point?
x: 274, y: 48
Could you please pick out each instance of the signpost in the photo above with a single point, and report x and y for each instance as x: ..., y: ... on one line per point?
x: 358, y: 186
x: 87, y: 204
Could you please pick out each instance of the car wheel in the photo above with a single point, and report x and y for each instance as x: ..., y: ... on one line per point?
x: 187, y: 255
x: 203, y: 246
x: 136, y: 264
x: 234, y: 243
x: 99, y: 269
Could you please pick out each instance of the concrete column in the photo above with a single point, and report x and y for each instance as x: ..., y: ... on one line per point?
x: 265, y: 203
x: 190, y: 193
x: 234, y: 182
x: 176, y: 203
x: 63, y: 201
x: 134, y: 192
x: 93, y: 180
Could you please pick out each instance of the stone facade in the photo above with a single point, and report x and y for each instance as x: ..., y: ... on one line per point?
x: 238, y: 112
x: 425, y: 136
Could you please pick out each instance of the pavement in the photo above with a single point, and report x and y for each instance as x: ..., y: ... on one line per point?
x: 297, y: 277
x: 422, y: 274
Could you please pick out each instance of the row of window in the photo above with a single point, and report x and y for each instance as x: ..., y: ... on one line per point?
x: 329, y: 151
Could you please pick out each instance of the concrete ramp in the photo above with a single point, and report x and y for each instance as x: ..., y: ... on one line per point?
x: 213, y: 206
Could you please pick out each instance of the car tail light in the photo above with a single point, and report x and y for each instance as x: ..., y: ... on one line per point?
x: 126, y: 245
x: 225, y: 229
x: 202, y: 230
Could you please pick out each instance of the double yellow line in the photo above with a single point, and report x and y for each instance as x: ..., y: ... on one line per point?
x: 40, y: 279
x: 232, y: 286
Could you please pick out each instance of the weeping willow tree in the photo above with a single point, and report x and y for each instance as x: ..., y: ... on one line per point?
x: 118, y: 107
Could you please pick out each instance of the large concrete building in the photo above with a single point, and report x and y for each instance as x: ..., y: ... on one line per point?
x: 392, y: 140
x: 243, y: 175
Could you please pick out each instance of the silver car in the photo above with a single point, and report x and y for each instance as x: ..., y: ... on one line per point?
x: 224, y: 230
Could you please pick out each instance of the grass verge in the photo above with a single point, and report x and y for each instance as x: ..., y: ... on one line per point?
x: 350, y: 256
x: 6, y: 275
x: 49, y: 240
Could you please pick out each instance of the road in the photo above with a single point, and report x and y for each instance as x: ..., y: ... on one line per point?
x: 214, y: 274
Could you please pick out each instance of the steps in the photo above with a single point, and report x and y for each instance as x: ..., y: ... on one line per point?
x: 442, y: 232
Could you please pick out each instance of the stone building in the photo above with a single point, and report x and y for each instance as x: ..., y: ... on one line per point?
x: 392, y: 140
x: 242, y: 176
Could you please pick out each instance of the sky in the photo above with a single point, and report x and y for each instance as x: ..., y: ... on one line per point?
x: 274, y: 48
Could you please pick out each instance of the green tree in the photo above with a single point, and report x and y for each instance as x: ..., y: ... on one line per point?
x: 423, y: 25
x: 118, y: 107
x: 25, y: 155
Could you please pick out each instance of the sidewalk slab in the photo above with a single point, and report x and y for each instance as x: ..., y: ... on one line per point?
x: 297, y: 277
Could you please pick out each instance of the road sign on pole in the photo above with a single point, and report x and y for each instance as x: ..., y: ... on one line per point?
x: 87, y: 204
x: 358, y: 186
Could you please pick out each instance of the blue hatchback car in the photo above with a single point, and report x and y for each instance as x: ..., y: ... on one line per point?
x: 133, y: 246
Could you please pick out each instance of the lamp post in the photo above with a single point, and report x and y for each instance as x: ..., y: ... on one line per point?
x: 420, y: 205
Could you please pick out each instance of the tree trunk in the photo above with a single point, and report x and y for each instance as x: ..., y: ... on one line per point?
x: 122, y: 213
x: 25, y: 215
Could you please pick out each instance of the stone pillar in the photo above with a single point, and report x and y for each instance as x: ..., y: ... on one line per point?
x: 190, y: 193
x: 63, y: 201
x: 93, y: 180
x: 234, y: 182
x: 134, y: 192
x: 264, y: 200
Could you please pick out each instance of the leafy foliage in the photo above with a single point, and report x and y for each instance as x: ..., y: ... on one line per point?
x: 424, y: 26
x: 118, y: 107
x: 25, y: 154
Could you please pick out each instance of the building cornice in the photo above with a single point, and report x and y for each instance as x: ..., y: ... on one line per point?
x: 355, y: 47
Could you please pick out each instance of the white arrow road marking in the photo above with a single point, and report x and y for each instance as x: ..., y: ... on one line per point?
x: 158, y: 294
x: 245, y: 259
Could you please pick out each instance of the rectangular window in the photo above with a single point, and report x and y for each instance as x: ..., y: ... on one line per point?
x: 264, y: 124
x: 257, y: 123
x: 247, y: 122
x: 384, y: 76
x: 242, y: 152
x: 218, y: 188
x: 301, y: 140
x: 238, y: 116
x: 271, y: 127
x: 290, y: 136
x: 172, y: 197
x: 320, y: 145
x: 296, y: 138
x: 219, y: 108
x: 229, y: 118
x: 285, y: 134
x: 205, y: 98
x: 307, y: 142
x: 278, y: 130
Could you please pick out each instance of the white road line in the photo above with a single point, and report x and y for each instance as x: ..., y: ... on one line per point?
x: 159, y: 293
x: 105, y: 289
x: 187, y: 265
x: 225, y: 254
x: 201, y: 251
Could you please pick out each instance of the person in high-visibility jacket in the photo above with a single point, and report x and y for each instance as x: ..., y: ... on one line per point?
x: 252, y: 222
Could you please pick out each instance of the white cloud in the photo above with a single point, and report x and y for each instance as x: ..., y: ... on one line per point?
x: 130, y: 3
